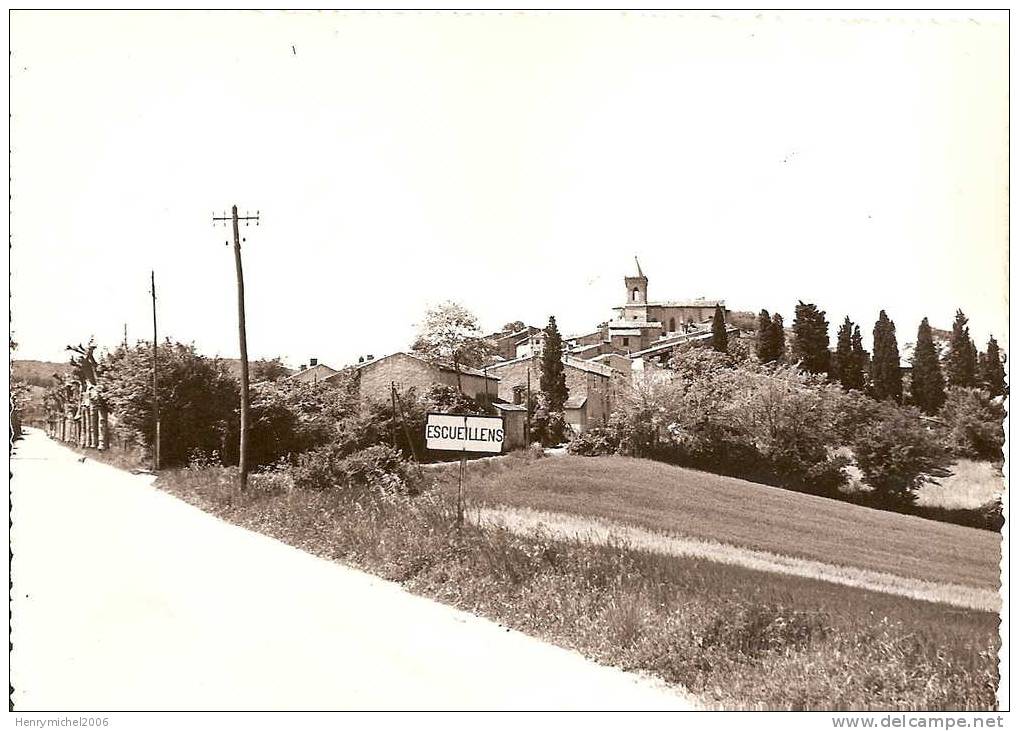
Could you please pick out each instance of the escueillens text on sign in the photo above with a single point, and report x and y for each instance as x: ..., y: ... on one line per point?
x: 464, y: 433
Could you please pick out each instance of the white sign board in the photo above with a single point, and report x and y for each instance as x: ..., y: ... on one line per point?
x: 464, y: 433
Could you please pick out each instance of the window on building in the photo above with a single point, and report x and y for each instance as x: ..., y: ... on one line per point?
x: 626, y: 341
x: 672, y: 324
x: 636, y: 295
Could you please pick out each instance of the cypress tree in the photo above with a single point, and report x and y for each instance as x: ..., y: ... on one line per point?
x: 763, y: 347
x: 855, y: 379
x: 993, y: 371
x: 810, y: 339
x: 928, y: 389
x: 553, y: 374
x: 842, y: 362
x: 719, y: 338
x: 885, y: 374
x: 778, y: 336
x: 961, y: 358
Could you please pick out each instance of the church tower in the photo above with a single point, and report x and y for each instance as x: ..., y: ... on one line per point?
x: 636, y: 295
x: 636, y: 287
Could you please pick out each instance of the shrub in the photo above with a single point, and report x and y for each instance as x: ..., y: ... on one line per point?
x: 973, y: 424
x: 897, y: 453
x: 198, y: 399
x: 378, y: 471
x: 596, y: 441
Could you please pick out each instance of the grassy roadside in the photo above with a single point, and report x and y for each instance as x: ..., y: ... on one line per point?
x: 734, y: 637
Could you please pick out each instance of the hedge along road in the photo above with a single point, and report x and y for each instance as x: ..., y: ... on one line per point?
x: 126, y: 598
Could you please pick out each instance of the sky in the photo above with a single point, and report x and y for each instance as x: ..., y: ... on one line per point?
x: 512, y: 162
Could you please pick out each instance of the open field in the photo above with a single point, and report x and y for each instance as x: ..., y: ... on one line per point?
x: 700, y: 505
x: 971, y: 485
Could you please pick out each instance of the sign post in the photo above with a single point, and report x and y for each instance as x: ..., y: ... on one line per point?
x: 450, y: 432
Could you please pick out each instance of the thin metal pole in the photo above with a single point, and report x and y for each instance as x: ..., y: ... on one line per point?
x: 243, y: 458
x: 155, y: 377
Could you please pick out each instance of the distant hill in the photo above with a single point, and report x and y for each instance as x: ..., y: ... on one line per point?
x: 37, y: 372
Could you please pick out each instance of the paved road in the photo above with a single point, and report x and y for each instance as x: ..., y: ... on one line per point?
x: 126, y: 598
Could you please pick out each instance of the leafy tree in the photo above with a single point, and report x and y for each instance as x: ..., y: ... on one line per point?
x: 992, y: 371
x: 268, y: 370
x: 719, y: 337
x: 928, y: 385
x: 553, y: 380
x: 961, y: 358
x: 810, y: 338
x: 973, y: 424
x: 885, y: 370
x: 897, y: 453
x: 514, y: 327
x: 198, y: 399
x: 450, y: 335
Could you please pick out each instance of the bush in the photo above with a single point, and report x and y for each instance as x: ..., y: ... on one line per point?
x: 378, y: 471
x: 595, y: 442
x: 897, y: 453
x: 973, y: 424
x: 198, y: 400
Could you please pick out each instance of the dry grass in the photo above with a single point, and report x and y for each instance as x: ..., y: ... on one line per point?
x: 704, y: 506
x: 971, y: 485
x: 737, y: 638
x: 131, y: 459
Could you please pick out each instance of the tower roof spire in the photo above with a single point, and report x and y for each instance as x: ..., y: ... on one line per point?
x: 639, y: 272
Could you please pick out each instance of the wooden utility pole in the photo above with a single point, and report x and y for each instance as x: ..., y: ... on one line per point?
x: 528, y: 412
x: 155, y: 377
x: 243, y: 457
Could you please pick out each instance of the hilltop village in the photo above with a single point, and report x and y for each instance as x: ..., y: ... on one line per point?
x: 642, y: 334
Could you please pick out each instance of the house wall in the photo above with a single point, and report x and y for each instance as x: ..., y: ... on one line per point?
x: 515, y: 424
x: 597, y: 388
x: 681, y: 315
x: 407, y: 372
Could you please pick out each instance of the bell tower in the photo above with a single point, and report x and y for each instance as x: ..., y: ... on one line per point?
x: 636, y: 287
x: 635, y: 304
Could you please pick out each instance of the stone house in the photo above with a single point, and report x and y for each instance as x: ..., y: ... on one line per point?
x: 591, y: 387
x: 314, y: 373
x: 373, y: 378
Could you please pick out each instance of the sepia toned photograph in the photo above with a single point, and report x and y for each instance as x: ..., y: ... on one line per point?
x: 511, y: 360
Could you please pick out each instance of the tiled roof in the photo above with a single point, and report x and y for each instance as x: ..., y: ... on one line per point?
x: 320, y: 370
x: 670, y: 343
x: 575, y: 402
x: 584, y: 365
x: 466, y: 370
x: 509, y: 407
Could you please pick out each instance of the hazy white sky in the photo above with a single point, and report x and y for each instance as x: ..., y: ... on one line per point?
x: 513, y: 162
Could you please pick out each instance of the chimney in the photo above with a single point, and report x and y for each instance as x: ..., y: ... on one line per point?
x: 371, y: 357
x: 312, y: 362
x: 303, y: 367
